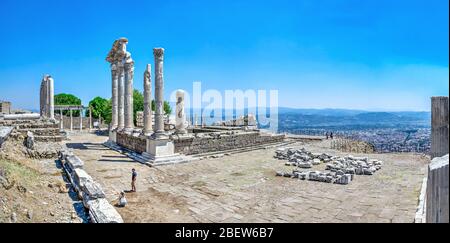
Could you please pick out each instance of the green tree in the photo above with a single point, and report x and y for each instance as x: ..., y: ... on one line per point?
x: 68, y: 99
x: 167, y: 108
x: 138, y: 103
x: 100, y: 108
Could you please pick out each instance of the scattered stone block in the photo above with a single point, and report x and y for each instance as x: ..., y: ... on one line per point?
x: 74, y: 162
x: 101, y: 211
x: 30, y: 140
x: 4, y: 134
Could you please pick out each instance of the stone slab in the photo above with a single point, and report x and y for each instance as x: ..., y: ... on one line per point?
x: 101, y: 211
x: 4, y: 134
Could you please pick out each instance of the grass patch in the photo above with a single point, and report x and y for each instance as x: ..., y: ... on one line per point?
x: 20, y: 173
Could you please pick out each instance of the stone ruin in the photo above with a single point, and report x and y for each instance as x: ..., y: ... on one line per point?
x: 36, y: 135
x: 339, y: 170
x: 88, y: 190
x: 153, y: 141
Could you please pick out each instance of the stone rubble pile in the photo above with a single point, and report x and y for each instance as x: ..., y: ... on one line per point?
x: 302, y: 158
x: 94, y: 199
x: 339, y: 170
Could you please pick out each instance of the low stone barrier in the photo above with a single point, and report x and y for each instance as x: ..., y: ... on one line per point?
x: 92, y: 194
x: 222, y: 141
x: 136, y: 144
x: 437, y: 203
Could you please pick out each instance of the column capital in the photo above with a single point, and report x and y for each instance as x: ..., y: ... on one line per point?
x: 158, y: 53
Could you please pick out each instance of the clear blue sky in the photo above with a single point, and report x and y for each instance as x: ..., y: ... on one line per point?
x: 388, y: 55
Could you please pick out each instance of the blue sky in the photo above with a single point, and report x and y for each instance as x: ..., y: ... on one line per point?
x: 375, y: 55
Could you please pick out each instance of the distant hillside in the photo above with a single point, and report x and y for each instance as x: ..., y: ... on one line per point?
x: 333, y: 118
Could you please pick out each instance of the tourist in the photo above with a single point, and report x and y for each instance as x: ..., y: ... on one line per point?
x: 122, y: 200
x: 331, y: 135
x: 133, y: 180
x: 326, y: 134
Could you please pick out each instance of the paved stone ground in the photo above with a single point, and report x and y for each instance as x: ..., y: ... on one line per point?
x: 243, y: 188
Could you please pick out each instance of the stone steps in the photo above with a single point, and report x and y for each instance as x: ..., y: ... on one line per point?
x: 145, y: 158
x: 55, y: 138
x: 40, y: 131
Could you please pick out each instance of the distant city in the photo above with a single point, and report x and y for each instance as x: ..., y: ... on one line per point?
x: 386, y: 131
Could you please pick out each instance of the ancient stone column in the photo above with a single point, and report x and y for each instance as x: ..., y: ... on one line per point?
x: 71, y: 120
x: 148, y: 101
x: 50, y: 97
x: 114, y: 97
x: 121, y: 98
x: 439, y: 126
x: 43, y: 96
x: 129, y: 73
x: 90, y: 118
x: 180, y: 120
x: 81, y: 120
x: 61, y: 122
x: 159, y: 93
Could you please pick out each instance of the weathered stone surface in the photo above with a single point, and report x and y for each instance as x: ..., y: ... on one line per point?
x: 147, y: 114
x: 180, y: 120
x: 437, y: 202
x: 222, y: 141
x: 340, y: 170
x: 30, y: 140
x: 74, y: 162
x: 80, y: 178
x: 91, y: 191
x: 101, y: 211
x: 4, y: 134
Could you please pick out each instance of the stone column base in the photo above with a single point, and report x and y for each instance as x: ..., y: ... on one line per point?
x: 162, y: 151
x: 112, y: 136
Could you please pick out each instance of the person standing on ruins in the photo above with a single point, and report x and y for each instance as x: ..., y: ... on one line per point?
x: 133, y: 180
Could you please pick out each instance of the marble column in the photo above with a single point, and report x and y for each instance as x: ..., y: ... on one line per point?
x: 61, y: 122
x: 114, y: 97
x: 71, y: 120
x: 159, y: 93
x: 43, y: 96
x: 50, y: 97
x: 90, y: 118
x: 180, y: 120
x: 121, y: 98
x: 81, y: 120
x: 148, y: 101
x: 129, y: 73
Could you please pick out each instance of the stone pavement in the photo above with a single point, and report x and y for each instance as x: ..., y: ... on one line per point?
x: 243, y: 188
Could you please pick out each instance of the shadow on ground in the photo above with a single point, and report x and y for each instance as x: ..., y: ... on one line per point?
x: 77, y: 203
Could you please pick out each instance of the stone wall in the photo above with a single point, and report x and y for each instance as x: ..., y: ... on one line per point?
x: 5, y: 107
x: 439, y: 126
x: 437, y: 204
x: 222, y: 142
x: 137, y: 144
